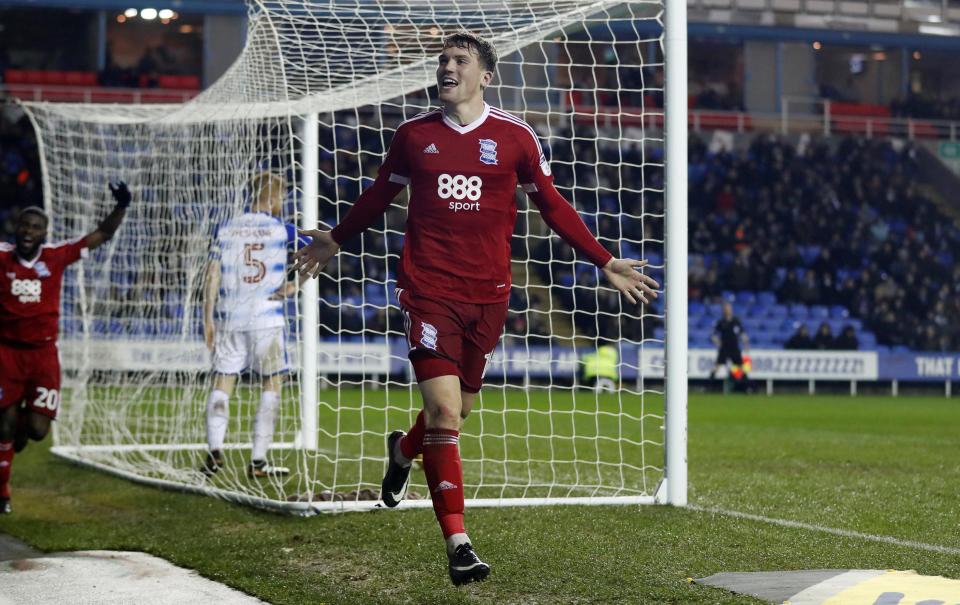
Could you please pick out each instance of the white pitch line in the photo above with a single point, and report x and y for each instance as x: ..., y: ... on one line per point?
x: 846, y: 533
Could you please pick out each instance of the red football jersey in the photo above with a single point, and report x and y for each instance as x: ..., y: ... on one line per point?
x: 30, y: 291
x: 463, y: 182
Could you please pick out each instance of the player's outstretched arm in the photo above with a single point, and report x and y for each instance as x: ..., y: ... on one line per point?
x: 623, y: 275
x: 310, y: 260
x: 111, y: 223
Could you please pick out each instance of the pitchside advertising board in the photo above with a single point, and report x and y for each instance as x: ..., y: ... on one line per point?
x: 538, y: 362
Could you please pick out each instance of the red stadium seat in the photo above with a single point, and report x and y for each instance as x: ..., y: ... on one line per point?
x: 81, y: 78
x: 55, y: 78
x: 190, y: 82
x: 15, y: 76
x: 32, y: 76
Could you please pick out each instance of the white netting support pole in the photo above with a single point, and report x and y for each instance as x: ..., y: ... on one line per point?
x: 309, y: 311
x: 675, y: 55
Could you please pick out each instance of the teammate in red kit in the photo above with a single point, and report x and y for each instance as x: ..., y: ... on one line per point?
x: 463, y: 164
x: 31, y: 274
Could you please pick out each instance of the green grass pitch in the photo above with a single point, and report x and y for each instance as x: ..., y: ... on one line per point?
x: 880, y: 466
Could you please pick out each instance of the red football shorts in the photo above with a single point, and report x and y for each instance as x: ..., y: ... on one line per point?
x: 30, y: 375
x: 449, y: 337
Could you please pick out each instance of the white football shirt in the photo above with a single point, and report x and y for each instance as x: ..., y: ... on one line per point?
x: 253, y: 251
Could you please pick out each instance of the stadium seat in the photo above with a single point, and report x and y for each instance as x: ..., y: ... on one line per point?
x: 778, y: 311
x: 706, y: 322
x: 14, y: 76
x: 745, y: 298
x: 819, y: 312
x: 839, y: 312
x: 798, y: 311
x: 766, y: 298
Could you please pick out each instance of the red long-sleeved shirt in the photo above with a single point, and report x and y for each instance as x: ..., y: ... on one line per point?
x: 462, y: 210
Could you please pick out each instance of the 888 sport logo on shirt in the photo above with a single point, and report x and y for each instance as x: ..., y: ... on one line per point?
x: 26, y: 290
x: 463, y: 189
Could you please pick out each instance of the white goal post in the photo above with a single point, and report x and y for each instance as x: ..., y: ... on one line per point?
x: 315, y: 97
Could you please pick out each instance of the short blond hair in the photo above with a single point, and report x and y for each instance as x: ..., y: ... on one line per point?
x: 267, y: 184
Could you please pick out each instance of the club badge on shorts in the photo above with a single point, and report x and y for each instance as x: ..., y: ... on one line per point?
x: 488, y: 151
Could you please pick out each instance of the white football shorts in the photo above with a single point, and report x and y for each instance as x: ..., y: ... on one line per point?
x: 263, y: 351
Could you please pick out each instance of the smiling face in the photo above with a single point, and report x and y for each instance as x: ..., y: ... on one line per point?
x: 461, y: 76
x: 31, y: 232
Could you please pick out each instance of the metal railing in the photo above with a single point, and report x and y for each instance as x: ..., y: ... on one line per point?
x: 813, y: 114
x: 96, y: 94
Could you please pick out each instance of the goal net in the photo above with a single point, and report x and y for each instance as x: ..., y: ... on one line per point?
x: 316, y: 96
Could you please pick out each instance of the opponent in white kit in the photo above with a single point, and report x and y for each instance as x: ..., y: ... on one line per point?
x: 244, y: 324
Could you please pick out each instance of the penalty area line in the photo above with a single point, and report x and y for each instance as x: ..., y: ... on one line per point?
x: 845, y: 533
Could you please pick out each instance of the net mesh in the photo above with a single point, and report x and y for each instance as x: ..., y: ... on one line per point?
x: 587, y: 76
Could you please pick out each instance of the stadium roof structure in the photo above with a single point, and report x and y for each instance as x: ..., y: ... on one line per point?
x: 237, y: 7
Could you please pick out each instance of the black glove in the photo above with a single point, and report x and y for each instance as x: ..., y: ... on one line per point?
x: 120, y: 193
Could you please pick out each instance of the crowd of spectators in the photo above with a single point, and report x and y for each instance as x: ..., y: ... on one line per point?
x: 19, y: 166
x: 931, y: 107
x: 823, y: 340
x: 821, y: 223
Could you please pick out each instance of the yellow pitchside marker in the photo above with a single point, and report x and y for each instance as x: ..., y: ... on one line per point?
x: 840, y: 587
x: 900, y: 588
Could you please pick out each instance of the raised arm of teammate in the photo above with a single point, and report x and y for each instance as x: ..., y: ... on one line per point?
x: 111, y: 223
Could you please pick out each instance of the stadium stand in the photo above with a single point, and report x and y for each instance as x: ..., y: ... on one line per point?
x: 832, y: 232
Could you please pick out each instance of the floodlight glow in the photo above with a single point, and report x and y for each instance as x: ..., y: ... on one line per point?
x: 165, y: 14
x: 130, y: 13
x: 148, y: 14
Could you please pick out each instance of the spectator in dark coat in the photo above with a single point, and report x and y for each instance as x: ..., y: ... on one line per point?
x: 800, y: 340
x: 847, y: 341
x: 824, y: 338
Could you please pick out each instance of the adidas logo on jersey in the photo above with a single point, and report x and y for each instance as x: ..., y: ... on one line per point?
x: 431, y: 148
x: 444, y: 485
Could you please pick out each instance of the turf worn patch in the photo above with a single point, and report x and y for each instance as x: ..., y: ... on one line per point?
x: 840, y: 587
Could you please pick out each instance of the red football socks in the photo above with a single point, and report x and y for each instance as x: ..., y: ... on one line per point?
x: 412, y: 442
x: 441, y: 465
x: 6, y: 465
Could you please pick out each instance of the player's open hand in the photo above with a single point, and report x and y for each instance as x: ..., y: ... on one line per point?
x: 310, y: 260
x: 623, y: 274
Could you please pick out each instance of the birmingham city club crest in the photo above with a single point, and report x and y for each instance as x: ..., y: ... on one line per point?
x: 488, y: 151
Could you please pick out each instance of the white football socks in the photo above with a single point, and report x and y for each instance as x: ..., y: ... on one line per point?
x: 455, y: 540
x: 398, y: 456
x: 218, y: 414
x: 263, y: 424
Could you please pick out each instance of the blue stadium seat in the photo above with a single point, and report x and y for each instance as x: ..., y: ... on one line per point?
x: 695, y: 308
x: 772, y: 324
x: 766, y: 298
x: 798, y: 311
x: 757, y: 310
x: 659, y: 333
x: 706, y: 322
x: 746, y: 298
x: 819, y: 312
x: 778, y: 311
x: 839, y: 312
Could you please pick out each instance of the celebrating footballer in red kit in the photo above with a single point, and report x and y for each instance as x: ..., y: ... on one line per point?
x: 463, y: 164
x: 31, y: 274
